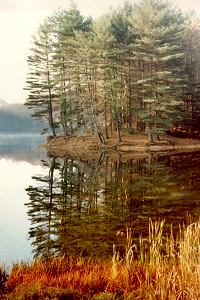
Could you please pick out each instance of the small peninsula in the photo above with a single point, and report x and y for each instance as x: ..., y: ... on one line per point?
x: 131, y: 145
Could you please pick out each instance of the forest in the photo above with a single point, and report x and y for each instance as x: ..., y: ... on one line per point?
x: 135, y: 69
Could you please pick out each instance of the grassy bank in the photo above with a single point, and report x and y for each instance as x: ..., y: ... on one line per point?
x: 161, y: 267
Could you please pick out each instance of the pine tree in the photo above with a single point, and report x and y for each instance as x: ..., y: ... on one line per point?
x: 88, y: 95
x: 123, y: 38
x: 40, y: 83
x: 113, y: 87
x: 66, y: 65
x: 191, y: 42
x: 158, y: 29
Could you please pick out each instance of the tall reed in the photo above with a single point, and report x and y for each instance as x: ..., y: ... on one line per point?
x: 165, y: 267
x: 160, y: 267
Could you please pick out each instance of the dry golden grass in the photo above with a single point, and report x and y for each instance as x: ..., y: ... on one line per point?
x: 161, y: 267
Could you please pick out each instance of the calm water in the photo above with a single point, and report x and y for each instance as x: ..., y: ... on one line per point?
x: 54, y: 205
x: 20, y: 158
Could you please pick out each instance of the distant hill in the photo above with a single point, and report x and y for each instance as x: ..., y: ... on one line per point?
x: 2, y: 102
x: 17, y: 118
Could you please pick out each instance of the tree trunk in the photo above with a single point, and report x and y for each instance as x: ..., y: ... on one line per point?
x: 101, y: 137
x: 150, y: 137
x: 106, y: 120
x: 119, y: 134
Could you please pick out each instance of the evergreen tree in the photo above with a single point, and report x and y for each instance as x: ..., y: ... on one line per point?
x: 129, y: 70
x: 191, y: 42
x: 91, y: 100
x: 66, y: 65
x: 102, y: 43
x: 158, y: 29
x: 113, y: 86
x: 123, y: 38
x: 40, y: 83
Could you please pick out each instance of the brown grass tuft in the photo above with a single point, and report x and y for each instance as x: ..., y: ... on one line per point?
x: 161, y: 268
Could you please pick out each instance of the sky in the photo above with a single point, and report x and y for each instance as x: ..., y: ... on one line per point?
x: 19, y: 20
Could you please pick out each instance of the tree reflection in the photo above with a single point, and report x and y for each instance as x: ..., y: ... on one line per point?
x: 80, y: 207
x: 41, y: 210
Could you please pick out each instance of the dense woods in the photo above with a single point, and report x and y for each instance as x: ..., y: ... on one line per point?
x: 135, y: 69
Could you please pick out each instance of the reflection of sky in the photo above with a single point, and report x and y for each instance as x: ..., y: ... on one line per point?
x: 15, y: 176
x: 22, y: 147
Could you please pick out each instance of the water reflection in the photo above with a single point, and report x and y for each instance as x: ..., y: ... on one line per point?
x: 20, y: 157
x: 79, y: 207
x: 22, y: 147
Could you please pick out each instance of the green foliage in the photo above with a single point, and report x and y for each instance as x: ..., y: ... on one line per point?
x: 40, y: 79
x: 132, y: 68
x: 158, y: 47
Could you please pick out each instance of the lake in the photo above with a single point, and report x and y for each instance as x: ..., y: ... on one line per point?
x: 20, y: 158
x: 67, y: 206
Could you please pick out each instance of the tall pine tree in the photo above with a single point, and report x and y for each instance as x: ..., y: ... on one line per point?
x: 40, y: 82
x: 158, y: 28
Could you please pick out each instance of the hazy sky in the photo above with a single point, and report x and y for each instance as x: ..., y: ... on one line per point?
x: 19, y: 19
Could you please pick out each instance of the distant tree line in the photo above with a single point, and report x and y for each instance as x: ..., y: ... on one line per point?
x: 17, y: 119
x: 135, y: 69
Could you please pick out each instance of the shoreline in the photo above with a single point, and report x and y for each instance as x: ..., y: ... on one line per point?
x: 131, y: 145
